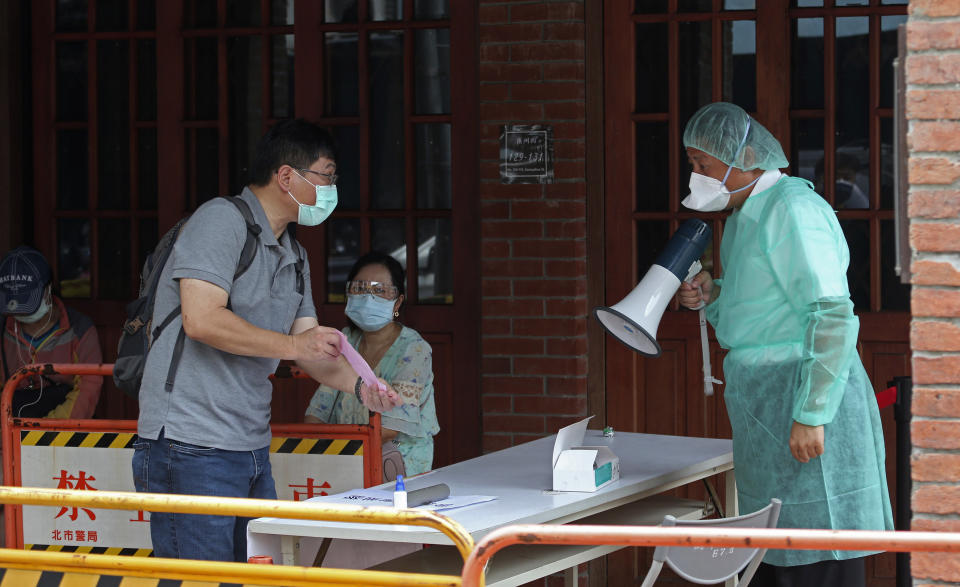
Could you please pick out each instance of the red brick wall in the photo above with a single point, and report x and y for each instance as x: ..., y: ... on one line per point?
x: 533, y: 243
x: 933, y: 113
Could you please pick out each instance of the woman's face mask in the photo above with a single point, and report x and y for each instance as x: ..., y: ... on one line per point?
x: 321, y: 209
x: 369, y: 312
x: 42, y: 310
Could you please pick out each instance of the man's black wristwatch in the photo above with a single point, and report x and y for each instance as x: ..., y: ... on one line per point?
x: 356, y: 389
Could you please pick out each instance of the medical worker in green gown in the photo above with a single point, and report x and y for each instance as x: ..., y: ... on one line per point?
x: 806, y: 427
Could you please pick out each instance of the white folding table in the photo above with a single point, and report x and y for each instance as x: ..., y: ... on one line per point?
x: 521, y: 478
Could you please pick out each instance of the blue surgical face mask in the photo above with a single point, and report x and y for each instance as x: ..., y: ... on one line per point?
x: 321, y: 209
x: 369, y: 312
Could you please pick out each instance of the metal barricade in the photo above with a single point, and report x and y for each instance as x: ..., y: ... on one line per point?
x: 221, y: 571
x: 65, y: 439
x: 781, y: 538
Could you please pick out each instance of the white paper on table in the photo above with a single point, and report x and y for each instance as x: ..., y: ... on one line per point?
x: 380, y: 497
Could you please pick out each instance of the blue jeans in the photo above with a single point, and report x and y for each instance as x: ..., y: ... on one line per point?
x: 170, y: 466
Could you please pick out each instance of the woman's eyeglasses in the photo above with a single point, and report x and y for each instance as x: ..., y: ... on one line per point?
x: 359, y: 287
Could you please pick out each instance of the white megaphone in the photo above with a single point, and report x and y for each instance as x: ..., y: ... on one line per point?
x: 635, y: 319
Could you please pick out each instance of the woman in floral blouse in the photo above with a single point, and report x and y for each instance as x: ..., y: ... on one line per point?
x: 397, y: 354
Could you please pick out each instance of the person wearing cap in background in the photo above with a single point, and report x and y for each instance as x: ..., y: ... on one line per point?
x: 806, y: 427
x: 40, y: 328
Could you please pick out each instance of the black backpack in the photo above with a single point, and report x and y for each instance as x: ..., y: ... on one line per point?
x: 136, y: 338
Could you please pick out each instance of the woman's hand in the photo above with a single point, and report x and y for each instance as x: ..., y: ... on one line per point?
x: 380, y: 401
x: 806, y: 442
x: 689, y: 294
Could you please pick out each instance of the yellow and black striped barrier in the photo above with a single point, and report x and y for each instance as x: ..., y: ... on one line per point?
x: 279, y: 444
x: 69, y: 548
x: 32, y: 578
x: 77, y: 439
x: 73, y: 567
x: 316, y: 446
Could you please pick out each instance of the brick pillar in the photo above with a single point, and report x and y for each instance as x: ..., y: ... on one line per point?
x: 933, y: 113
x: 533, y: 265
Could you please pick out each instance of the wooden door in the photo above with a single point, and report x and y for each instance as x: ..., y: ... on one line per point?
x: 818, y: 75
x: 146, y: 109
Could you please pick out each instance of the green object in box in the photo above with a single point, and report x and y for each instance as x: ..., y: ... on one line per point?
x: 603, y: 473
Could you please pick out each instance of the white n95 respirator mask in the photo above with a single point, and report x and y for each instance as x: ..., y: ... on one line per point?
x: 706, y: 194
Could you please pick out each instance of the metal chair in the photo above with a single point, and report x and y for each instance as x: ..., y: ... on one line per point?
x: 706, y: 565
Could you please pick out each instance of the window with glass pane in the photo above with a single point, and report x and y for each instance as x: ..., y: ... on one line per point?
x: 807, y: 149
x: 388, y: 236
x: 853, y: 112
x: 341, y: 81
x: 112, y: 15
x: 653, y: 157
x: 650, y: 41
x: 431, y: 9
x: 73, y: 257
x: 257, y: 44
x: 433, y: 166
x: 387, y: 144
x: 393, y: 129
x: 348, y: 180
x: 245, y: 101
x: 740, y: 63
x: 857, y: 121
x: 113, y: 124
x: 281, y: 81
x: 146, y: 15
x: 71, y: 80
x: 343, y: 249
x: 434, y: 261
x: 113, y: 258
x: 857, y: 233
x: 695, y: 60
x: 281, y: 12
x: 806, y: 53
x: 96, y: 144
x: 652, y: 236
x: 432, y: 63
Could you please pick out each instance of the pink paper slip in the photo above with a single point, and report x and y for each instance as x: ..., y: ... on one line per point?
x: 358, y: 364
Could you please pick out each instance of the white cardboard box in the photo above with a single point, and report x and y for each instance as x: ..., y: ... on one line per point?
x: 582, y: 468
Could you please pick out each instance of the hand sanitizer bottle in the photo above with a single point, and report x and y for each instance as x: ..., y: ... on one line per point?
x: 400, y: 494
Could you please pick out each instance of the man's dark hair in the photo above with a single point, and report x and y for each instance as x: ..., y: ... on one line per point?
x: 378, y: 258
x: 294, y: 142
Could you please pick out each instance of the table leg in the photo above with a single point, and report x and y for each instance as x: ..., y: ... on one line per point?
x: 290, y: 550
x: 730, y: 484
x: 730, y: 502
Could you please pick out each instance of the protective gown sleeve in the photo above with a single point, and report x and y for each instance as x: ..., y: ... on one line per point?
x: 828, y: 347
x: 809, y: 259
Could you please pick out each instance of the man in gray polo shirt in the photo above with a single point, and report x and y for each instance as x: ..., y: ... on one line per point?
x: 205, y: 430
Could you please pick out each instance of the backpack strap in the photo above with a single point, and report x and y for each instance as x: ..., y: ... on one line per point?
x: 253, y: 234
x: 247, y: 255
x: 301, y: 255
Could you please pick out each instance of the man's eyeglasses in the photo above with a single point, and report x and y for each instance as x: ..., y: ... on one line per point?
x: 359, y: 287
x: 330, y: 178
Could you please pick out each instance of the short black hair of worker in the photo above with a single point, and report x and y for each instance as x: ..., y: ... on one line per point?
x: 294, y: 142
